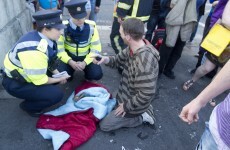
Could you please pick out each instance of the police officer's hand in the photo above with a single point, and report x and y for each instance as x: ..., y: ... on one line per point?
x: 120, y: 20
x: 73, y: 64
x: 63, y: 80
x: 81, y: 65
x: 98, y: 59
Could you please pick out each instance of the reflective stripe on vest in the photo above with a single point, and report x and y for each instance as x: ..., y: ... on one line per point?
x: 124, y: 6
x: 12, y: 54
x: 83, y: 49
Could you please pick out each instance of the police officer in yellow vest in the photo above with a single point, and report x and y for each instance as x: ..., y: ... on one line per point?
x: 30, y: 60
x: 124, y: 9
x: 82, y: 41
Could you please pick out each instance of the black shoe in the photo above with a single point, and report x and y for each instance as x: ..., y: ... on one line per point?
x: 31, y: 113
x: 169, y: 74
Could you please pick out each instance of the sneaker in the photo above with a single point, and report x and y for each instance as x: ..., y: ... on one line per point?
x: 147, y: 118
x: 169, y: 74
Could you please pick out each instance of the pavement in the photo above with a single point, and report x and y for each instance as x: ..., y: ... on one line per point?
x: 18, y: 130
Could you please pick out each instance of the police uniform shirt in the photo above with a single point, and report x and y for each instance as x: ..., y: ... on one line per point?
x: 73, y: 26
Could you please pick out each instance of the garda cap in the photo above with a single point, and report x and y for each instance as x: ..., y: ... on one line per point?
x: 76, y: 8
x: 49, y: 18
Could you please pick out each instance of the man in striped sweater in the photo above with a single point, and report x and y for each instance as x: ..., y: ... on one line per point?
x: 139, y: 77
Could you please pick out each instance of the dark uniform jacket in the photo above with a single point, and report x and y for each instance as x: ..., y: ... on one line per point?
x: 134, y: 8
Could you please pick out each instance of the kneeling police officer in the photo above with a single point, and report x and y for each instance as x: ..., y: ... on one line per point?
x: 82, y: 41
x: 31, y: 62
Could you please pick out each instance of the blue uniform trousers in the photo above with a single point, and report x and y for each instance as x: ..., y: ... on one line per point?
x: 36, y: 98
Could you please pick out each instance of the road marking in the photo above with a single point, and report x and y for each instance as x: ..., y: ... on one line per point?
x: 105, y: 28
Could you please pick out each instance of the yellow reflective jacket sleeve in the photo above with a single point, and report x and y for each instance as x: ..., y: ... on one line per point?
x: 61, y: 50
x: 123, y: 7
x: 95, y: 45
x: 34, y: 64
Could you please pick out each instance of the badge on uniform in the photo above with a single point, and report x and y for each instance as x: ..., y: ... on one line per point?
x: 78, y: 8
x: 42, y: 46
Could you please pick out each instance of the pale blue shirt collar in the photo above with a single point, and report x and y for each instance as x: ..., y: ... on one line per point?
x: 72, y: 25
x: 50, y: 42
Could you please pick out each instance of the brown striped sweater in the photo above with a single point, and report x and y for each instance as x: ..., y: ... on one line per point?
x: 139, y: 78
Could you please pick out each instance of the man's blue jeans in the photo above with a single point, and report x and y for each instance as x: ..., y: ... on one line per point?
x: 207, y: 142
x: 93, y: 15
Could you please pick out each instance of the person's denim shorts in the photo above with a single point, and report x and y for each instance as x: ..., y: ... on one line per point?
x: 207, y: 142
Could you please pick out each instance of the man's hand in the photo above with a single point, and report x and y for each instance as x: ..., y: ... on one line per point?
x: 190, y: 111
x: 120, y: 110
x: 120, y: 20
x: 97, y: 9
x: 103, y: 59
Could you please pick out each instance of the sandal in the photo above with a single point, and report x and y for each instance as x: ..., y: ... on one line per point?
x: 188, y: 84
x: 212, y: 102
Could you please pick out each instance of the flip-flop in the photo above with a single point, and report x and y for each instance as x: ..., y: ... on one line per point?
x: 188, y: 84
x: 212, y: 102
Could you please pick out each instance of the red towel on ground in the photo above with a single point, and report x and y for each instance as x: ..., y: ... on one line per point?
x: 79, y: 125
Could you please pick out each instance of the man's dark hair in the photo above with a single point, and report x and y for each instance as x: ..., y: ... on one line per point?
x: 134, y: 27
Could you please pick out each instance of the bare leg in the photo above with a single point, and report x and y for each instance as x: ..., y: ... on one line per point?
x: 201, y: 71
x: 212, y: 102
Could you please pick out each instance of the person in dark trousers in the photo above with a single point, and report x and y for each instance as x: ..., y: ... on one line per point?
x: 31, y: 62
x: 180, y: 22
x: 81, y: 40
x: 160, y: 10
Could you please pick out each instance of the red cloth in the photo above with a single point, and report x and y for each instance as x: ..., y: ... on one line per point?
x: 79, y: 125
x: 87, y: 84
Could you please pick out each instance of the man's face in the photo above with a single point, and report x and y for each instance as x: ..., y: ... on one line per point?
x: 78, y: 22
x: 123, y: 36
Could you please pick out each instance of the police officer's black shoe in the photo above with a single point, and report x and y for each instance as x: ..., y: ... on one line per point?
x: 31, y: 113
x: 169, y: 74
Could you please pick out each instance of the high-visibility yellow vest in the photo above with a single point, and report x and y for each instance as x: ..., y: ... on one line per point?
x: 85, y: 42
x: 30, y: 57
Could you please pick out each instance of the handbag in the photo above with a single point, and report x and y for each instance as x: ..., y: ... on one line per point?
x: 217, y: 40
